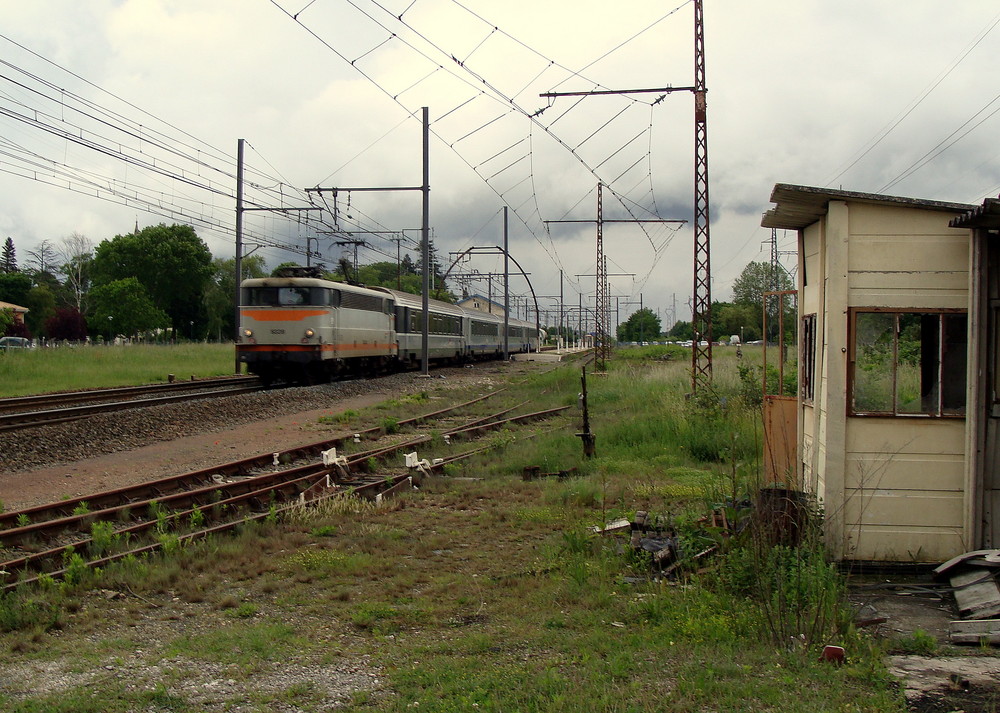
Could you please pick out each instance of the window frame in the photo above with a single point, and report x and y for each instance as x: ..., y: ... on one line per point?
x: 807, y: 350
x: 852, y: 317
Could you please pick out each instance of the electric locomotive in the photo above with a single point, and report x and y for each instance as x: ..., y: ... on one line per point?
x: 299, y: 327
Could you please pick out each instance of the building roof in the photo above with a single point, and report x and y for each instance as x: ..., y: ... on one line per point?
x: 985, y: 216
x: 799, y: 206
x: 477, y: 296
x: 13, y: 307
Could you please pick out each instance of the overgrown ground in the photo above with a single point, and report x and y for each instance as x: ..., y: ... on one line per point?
x: 481, y: 591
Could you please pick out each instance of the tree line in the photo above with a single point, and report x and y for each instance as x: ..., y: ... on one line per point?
x: 743, y: 316
x: 161, y: 282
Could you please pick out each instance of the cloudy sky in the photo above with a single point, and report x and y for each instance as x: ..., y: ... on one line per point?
x: 117, y: 112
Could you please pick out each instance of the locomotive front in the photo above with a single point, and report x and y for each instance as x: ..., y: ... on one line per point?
x: 284, y: 324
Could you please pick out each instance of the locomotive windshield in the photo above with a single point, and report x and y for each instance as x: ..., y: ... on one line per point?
x: 288, y: 296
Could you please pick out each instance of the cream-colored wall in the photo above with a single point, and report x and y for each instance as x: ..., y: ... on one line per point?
x: 902, y: 257
x: 891, y: 488
x: 904, y: 489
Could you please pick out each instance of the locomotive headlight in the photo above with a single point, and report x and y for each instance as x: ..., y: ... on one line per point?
x: 247, y: 332
x: 310, y: 333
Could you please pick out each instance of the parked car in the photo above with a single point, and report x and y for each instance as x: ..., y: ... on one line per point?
x: 14, y: 343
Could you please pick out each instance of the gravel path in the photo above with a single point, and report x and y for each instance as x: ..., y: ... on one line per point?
x: 115, y: 450
x: 126, y: 430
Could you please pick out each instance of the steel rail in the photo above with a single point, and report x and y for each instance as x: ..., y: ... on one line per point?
x: 204, y: 476
x: 255, y: 491
x: 15, y: 403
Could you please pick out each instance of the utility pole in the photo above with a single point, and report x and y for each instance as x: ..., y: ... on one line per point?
x: 240, y: 210
x: 239, y: 244
x: 425, y: 234
x: 559, y: 332
x: 701, y: 305
x: 701, y: 314
x: 425, y: 190
x: 602, y: 345
x: 506, y: 290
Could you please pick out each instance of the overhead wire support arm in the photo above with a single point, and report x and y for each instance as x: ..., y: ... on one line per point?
x: 662, y: 90
x: 701, y: 304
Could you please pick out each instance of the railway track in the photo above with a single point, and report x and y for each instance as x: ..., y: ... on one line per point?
x: 28, y: 411
x: 56, y: 539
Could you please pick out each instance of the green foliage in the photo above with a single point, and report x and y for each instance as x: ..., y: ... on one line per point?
x: 76, y: 568
x: 19, y: 611
x: 219, y: 291
x: 41, y: 303
x: 171, y: 262
x: 246, y: 610
x: 197, y: 518
x: 82, y: 508
x: 14, y: 288
x: 102, y: 538
x: 642, y: 325
x: 170, y: 543
x: 6, y: 320
x: 124, y: 307
x: 344, y: 417
x: 801, y: 596
x: 390, y: 425
x: 919, y: 643
x: 681, y: 330
x: 8, y: 258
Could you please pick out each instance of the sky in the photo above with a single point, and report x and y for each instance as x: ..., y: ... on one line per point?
x: 122, y: 112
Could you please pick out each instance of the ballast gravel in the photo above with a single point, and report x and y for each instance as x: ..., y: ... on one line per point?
x: 55, y: 444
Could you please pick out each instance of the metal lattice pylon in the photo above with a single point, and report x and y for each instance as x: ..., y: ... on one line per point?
x: 701, y: 317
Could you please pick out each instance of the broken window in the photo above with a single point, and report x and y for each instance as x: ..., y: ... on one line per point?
x: 908, y: 363
x: 808, y: 357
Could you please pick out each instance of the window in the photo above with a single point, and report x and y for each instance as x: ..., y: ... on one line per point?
x: 808, y: 387
x: 358, y: 300
x: 908, y: 363
x: 288, y: 296
x: 484, y: 329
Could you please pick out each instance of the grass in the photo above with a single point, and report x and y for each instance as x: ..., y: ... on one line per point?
x: 35, y: 371
x: 489, y: 594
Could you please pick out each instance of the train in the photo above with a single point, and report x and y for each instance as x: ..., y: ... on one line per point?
x: 298, y: 327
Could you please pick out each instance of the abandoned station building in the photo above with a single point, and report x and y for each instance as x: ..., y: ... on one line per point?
x: 897, y: 420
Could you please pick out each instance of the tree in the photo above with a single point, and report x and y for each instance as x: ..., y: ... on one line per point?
x: 681, y: 330
x: 67, y: 323
x: 14, y: 287
x: 41, y: 303
x: 42, y: 260
x: 78, y: 257
x: 740, y: 319
x: 124, y: 307
x: 8, y: 261
x: 220, y: 312
x: 758, y: 278
x: 274, y: 272
x: 641, y: 326
x: 749, y: 288
x: 171, y: 262
x: 6, y: 319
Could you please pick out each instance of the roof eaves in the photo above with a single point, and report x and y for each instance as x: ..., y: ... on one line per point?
x: 799, y: 206
x: 986, y: 216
